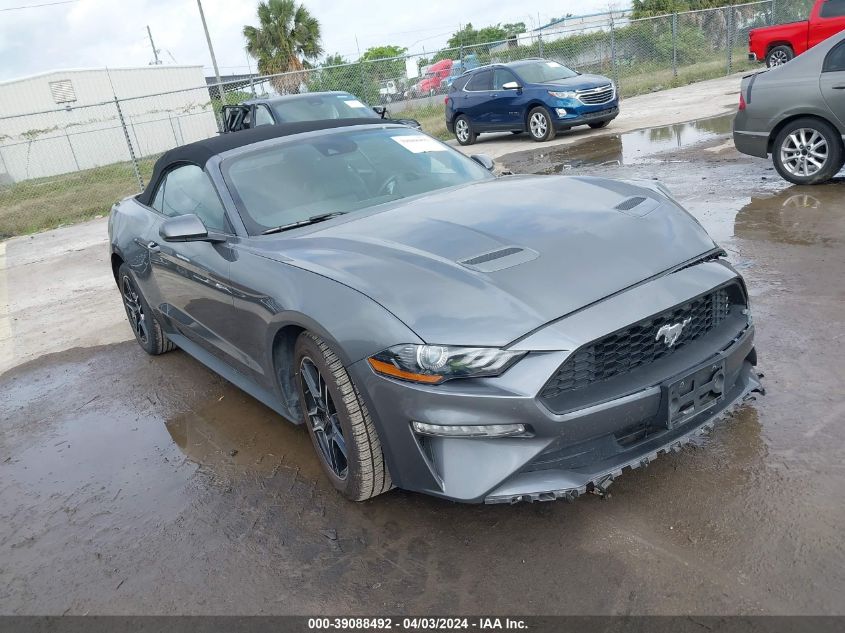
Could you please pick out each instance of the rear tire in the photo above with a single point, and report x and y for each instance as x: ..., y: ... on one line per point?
x: 779, y: 55
x: 341, y: 429
x: 145, y: 326
x: 597, y: 125
x: 540, y: 125
x: 463, y: 131
x: 807, y: 151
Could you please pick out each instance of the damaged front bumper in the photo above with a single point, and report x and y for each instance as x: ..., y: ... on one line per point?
x: 581, y: 440
x: 551, y: 484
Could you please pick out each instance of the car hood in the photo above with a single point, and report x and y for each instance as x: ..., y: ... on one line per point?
x: 487, y: 263
x: 579, y: 82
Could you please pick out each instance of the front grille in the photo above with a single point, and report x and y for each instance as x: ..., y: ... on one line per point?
x: 596, y: 96
x: 638, y: 345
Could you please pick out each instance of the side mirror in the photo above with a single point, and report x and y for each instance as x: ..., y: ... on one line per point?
x: 511, y: 85
x: 484, y: 160
x: 411, y: 123
x: 184, y: 228
x: 380, y: 110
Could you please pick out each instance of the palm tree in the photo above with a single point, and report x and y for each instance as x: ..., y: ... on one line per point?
x: 287, y: 39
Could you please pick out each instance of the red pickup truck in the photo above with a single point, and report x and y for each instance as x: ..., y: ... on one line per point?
x: 778, y: 44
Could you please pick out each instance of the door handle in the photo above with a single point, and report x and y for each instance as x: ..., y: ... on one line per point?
x: 839, y: 87
x: 152, y: 246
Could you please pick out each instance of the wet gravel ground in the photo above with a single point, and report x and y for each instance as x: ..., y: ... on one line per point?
x: 131, y: 484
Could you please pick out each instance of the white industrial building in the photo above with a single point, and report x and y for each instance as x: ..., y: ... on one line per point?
x: 67, y: 120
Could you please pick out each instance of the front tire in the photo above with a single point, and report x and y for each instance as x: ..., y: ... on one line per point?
x: 463, y: 131
x: 779, y: 55
x: 341, y: 429
x: 807, y: 152
x: 146, y: 328
x: 540, y: 125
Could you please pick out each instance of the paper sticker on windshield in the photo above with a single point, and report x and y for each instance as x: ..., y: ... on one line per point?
x: 418, y: 144
x: 552, y: 64
x: 354, y: 103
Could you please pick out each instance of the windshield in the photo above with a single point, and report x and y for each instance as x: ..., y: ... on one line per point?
x: 341, y: 172
x: 544, y: 72
x: 318, y: 107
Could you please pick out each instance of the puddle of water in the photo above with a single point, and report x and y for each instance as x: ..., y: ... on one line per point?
x: 803, y: 216
x: 630, y: 148
x: 234, y: 432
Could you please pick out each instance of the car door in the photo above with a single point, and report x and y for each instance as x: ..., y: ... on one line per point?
x: 832, y: 82
x: 830, y: 21
x: 476, y: 97
x: 236, y: 118
x: 261, y: 115
x: 192, y: 278
x: 506, y: 109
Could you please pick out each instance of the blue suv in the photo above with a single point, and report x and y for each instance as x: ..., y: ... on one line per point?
x: 537, y: 96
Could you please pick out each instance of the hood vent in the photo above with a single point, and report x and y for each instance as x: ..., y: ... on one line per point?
x: 499, y: 259
x: 489, y: 257
x: 637, y: 206
x: 630, y: 203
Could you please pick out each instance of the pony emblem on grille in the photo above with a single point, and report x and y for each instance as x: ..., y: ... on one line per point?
x: 671, y: 333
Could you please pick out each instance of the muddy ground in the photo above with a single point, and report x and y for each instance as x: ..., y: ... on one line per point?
x: 131, y: 484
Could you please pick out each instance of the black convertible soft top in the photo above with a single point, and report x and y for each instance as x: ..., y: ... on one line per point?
x: 199, y: 152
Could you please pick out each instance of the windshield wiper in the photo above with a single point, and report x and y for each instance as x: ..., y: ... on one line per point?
x: 312, y: 220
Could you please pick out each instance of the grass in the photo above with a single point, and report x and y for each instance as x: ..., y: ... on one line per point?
x: 431, y: 117
x: 46, y: 203
x: 641, y: 79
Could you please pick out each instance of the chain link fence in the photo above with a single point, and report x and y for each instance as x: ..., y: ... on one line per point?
x: 72, y: 162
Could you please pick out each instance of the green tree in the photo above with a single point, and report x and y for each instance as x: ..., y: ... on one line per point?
x: 334, y: 60
x: 651, y: 8
x: 380, y: 66
x: 383, y: 52
x: 333, y: 74
x: 287, y: 39
x: 469, y: 36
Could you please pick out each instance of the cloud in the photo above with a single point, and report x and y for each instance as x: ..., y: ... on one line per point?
x: 98, y: 33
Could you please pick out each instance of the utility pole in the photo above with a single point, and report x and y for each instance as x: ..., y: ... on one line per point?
x: 152, y: 44
x: 211, y: 52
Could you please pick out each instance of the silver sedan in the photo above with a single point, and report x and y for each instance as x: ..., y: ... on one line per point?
x: 796, y: 113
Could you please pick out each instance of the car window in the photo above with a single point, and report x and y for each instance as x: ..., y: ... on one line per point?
x: 833, y: 9
x: 187, y: 189
x: 460, y: 82
x: 835, y: 60
x: 544, y: 72
x: 158, y: 198
x: 316, y: 107
x: 482, y: 80
x: 341, y: 171
x: 262, y: 115
x: 501, y: 76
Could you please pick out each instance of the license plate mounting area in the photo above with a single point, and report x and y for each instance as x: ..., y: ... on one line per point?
x: 698, y: 391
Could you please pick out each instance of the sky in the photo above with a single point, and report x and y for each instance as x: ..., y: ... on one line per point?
x: 99, y: 33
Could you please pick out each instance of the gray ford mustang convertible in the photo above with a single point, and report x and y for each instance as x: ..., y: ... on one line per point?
x: 437, y: 328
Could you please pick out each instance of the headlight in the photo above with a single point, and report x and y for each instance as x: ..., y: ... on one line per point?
x: 569, y: 94
x: 433, y: 364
